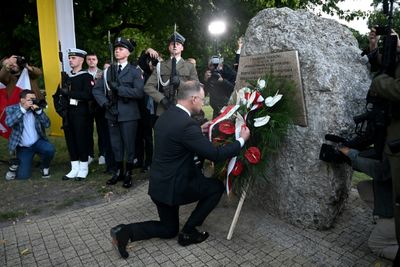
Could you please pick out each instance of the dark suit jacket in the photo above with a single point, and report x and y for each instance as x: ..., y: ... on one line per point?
x: 129, y: 92
x: 174, y: 177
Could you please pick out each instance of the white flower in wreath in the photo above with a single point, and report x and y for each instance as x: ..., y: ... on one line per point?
x: 241, y: 99
x: 251, y: 99
x: 271, y: 101
x: 258, y: 122
x: 261, y: 84
x: 254, y: 99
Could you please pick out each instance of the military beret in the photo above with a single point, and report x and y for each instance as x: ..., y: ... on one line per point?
x: 178, y: 38
x: 76, y: 52
x: 122, y: 42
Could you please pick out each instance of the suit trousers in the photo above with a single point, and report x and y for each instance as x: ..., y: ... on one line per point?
x: 168, y: 225
x: 122, y: 138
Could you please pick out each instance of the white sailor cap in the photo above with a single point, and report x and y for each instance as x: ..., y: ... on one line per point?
x: 76, y: 52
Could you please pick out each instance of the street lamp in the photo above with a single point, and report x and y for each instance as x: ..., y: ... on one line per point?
x: 216, y: 28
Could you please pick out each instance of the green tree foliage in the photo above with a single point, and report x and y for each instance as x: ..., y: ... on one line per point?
x: 19, y: 29
x: 149, y: 23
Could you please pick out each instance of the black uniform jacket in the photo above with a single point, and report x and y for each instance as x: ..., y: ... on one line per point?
x: 130, y: 90
x: 81, y: 87
x: 174, y: 176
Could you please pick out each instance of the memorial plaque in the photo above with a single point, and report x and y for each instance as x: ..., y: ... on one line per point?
x: 283, y: 64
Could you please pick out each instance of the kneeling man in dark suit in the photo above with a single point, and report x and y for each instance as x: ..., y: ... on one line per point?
x: 175, y: 179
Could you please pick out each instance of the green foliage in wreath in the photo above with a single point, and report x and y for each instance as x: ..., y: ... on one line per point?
x: 266, y: 106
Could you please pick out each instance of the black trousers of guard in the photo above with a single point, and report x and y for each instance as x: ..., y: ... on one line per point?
x: 168, y: 225
x: 122, y: 138
x: 77, y: 133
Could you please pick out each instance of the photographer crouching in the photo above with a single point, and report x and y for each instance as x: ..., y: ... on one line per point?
x: 219, y: 83
x: 377, y: 194
x: 28, y: 121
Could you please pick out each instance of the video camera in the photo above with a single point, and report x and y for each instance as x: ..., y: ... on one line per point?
x: 368, y: 137
x: 154, y: 61
x: 382, y: 30
x: 216, y: 62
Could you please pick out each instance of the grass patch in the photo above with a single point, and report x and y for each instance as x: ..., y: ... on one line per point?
x: 12, y: 215
x: 358, y: 177
x: 208, y: 111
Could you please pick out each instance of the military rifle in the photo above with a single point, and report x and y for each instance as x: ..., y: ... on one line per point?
x: 170, y: 91
x: 112, y: 95
x: 60, y: 98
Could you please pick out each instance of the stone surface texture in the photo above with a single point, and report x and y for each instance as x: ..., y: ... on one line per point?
x: 302, y: 189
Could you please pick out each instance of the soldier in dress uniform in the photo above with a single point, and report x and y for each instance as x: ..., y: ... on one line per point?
x: 119, y: 92
x: 77, y: 92
x: 163, y: 85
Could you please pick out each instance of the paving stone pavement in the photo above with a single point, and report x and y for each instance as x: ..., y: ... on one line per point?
x: 81, y: 238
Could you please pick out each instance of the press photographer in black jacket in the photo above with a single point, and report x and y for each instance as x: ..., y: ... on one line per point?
x: 219, y: 83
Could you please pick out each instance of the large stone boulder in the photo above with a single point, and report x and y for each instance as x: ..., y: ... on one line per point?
x: 302, y: 189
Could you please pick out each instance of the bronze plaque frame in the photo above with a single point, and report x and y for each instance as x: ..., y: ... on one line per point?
x: 282, y: 64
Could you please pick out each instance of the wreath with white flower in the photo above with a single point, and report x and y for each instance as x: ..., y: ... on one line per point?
x: 264, y: 107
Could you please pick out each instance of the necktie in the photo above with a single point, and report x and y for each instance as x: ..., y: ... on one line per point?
x: 119, y: 69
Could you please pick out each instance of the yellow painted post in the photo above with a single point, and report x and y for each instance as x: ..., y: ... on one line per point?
x: 49, y: 49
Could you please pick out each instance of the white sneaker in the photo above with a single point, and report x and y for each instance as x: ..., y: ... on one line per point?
x: 46, y: 173
x: 10, y: 175
x: 90, y: 159
x: 102, y: 160
x: 13, y: 167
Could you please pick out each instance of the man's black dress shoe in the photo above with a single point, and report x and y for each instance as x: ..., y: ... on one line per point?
x: 128, y: 179
x: 115, y: 178
x: 196, y: 237
x: 120, y: 239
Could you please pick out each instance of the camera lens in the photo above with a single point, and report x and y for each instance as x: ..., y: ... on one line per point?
x: 21, y: 62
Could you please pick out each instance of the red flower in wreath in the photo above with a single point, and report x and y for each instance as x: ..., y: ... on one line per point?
x: 253, y: 155
x: 237, y: 169
x: 226, y: 127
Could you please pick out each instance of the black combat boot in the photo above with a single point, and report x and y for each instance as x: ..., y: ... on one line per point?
x: 128, y: 175
x: 118, y: 174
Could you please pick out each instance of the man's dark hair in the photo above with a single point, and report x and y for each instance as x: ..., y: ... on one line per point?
x: 25, y: 92
x: 91, y: 54
x: 188, y: 88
